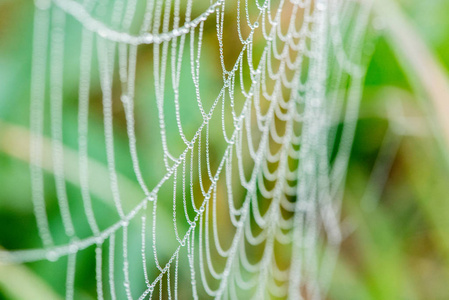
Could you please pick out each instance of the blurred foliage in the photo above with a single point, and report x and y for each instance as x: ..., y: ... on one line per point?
x: 397, y: 248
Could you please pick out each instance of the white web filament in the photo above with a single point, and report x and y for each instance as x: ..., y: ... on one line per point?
x: 239, y: 196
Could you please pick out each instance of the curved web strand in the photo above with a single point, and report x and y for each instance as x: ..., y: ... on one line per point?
x: 40, y: 41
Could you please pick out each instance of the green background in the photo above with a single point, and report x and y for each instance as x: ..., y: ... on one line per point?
x: 396, y: 242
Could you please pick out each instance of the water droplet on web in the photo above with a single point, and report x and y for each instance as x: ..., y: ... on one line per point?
x: 52, y: 256
x: 124, y: 98
x: 320, y: 5
x: 73, y: 248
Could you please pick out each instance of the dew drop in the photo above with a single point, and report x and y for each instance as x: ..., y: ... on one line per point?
x: 52, y: 256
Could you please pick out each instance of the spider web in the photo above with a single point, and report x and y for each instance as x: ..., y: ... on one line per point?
x: 240, y: 191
